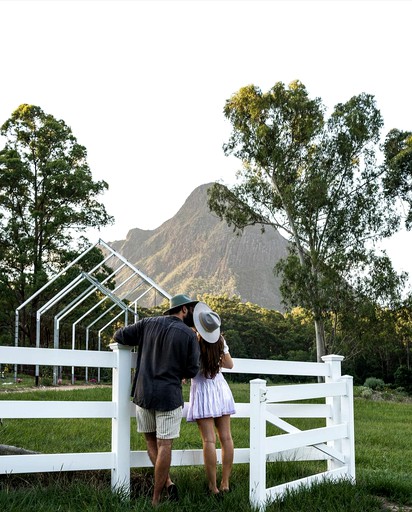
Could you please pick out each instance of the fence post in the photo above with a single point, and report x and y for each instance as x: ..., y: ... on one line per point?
x: 121, y: 422
x: 348, y: 444
x: 257, y: 468
x: 335, y: 403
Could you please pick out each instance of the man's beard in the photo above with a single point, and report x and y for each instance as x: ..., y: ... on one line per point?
x: 188, y: 320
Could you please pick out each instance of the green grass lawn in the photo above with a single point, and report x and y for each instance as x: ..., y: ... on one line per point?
x: 383, y: 434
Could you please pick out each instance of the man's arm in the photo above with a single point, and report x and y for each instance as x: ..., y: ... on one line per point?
x: 128, y: 335
x: 193, y: 358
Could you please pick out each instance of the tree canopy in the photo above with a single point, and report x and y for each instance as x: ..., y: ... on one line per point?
x: 398, y: 159
x: 47, y: 198
x: 318, y: 181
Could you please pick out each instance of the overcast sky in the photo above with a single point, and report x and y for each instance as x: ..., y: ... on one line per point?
x: 143, y: 84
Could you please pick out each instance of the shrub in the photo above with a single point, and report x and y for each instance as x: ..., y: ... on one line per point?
x: 374, y: 383
x: 366, y: 392
x: 403, y: 378
x: 362, y: 392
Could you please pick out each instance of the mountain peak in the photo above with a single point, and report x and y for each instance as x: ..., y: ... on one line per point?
x: 195, y: 252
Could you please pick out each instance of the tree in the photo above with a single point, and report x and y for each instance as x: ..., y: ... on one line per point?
x: 47, y: 197
x: 398, y: 159
x: 403, y: 318
x: 317, y: 180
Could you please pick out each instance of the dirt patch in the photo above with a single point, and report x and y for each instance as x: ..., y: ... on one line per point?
x: 7, y: 449
x: 393, y: 507
x: 54, y: 388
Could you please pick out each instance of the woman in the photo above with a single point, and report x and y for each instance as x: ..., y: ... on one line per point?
x: 211, y: 401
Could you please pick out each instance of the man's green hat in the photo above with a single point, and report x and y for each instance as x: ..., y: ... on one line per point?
x: 180, y: 300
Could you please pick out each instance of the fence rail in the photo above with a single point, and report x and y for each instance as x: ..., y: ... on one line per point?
x: 334, y: 442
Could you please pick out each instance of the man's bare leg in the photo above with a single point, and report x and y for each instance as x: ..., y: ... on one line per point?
x: 162, y: 467
x: 151, y: 442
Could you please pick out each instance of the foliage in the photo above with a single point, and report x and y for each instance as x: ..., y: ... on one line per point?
x: 47, y: 199
x: 374, y: 383
x: 398, y: 156
x: 255, y: 332
x: 47, y: 192
x: 317, y: 180
x: 368, y: 337
x: 403, y: 378
x: 403, y: 327
x: 363, y: 392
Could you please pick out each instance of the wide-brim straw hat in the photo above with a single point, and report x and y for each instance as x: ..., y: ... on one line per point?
x: 207, y: 322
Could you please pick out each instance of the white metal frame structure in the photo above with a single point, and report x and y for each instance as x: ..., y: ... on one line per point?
x: 124, y: 272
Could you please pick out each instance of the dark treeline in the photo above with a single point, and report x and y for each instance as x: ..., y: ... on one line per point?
x: 374, y: 345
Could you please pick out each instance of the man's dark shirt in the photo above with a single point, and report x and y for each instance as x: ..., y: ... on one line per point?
x: 168, y: 351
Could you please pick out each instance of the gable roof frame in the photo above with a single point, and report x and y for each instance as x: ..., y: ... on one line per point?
x: 108, y: 254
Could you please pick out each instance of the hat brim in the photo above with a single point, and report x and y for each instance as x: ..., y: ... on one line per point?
x: 210, y: 337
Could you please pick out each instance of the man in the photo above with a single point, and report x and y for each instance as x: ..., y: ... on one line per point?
x: 168, y: 352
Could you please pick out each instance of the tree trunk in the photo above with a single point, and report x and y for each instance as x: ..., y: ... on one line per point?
x: 320, y: 343
x: 320, y: 339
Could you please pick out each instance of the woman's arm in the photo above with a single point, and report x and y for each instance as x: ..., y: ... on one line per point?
x: 227, y: 361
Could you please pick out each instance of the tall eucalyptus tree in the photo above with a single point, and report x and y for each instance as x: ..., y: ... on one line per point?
x: 318, y: 181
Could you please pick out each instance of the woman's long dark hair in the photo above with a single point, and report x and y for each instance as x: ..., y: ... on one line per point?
x: 211, y: 357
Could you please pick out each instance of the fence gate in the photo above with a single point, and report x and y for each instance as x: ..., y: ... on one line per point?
x: 334, y: 442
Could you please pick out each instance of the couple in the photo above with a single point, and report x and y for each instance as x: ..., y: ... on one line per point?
x: 169, y: 351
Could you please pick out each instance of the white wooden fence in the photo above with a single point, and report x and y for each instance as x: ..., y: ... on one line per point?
x: 334, y: 442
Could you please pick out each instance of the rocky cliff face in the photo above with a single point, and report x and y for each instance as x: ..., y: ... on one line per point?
x: 194, y: 252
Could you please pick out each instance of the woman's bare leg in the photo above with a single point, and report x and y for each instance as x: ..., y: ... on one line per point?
x: 226, y: 442
x: 207, y: 431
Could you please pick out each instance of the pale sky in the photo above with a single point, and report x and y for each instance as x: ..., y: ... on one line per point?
x: 143, y: 84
